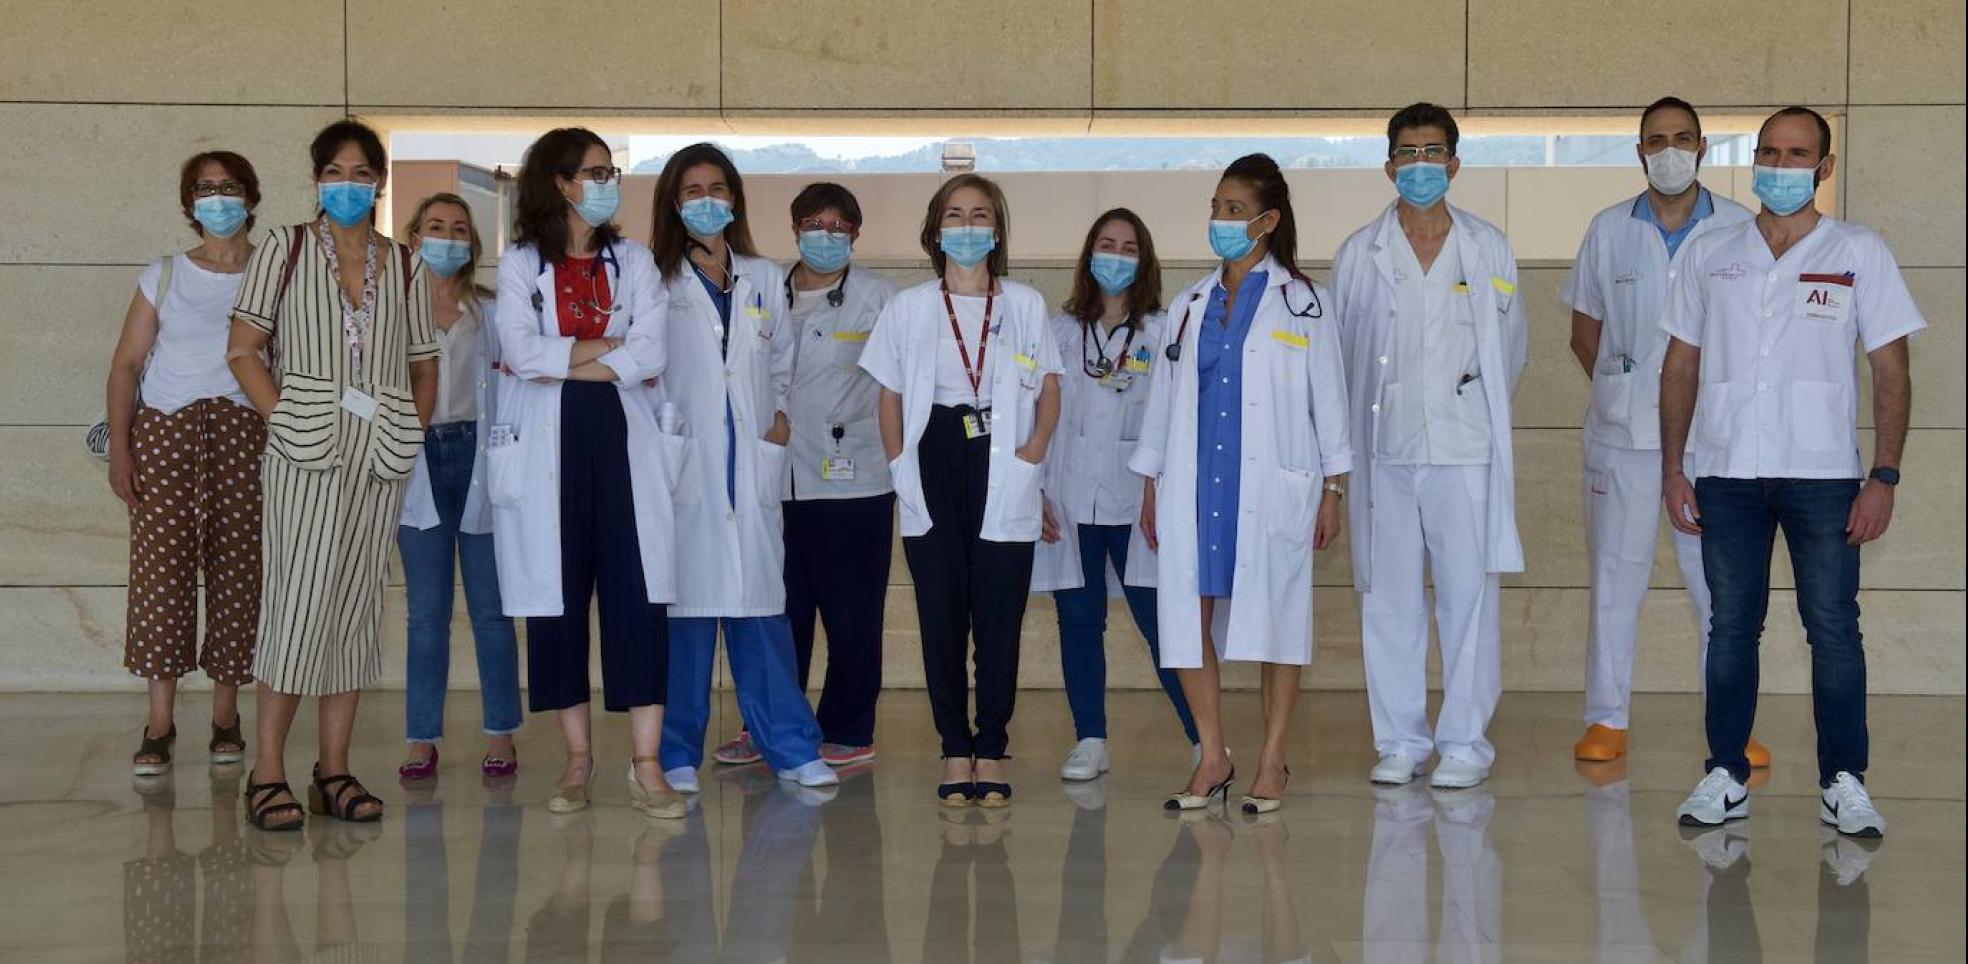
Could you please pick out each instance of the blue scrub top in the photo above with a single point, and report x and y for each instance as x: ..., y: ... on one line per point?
x: 722, y: 299
x: 1219, y: 432
x: 1704, y: 206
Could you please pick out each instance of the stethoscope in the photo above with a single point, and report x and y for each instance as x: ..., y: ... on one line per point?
x: 1104, y: 366
x: 1314, y: 309
x: 835, y: 297
x: 607, y: 258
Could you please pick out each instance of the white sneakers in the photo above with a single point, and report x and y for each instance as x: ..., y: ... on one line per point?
x: 1394, y: 770
x: 1087, y: 761
x: 1847, y: 806
x: 812, y: 773
x: 1717, y: 799
x: 1454, y: 774
x: 682, y: 779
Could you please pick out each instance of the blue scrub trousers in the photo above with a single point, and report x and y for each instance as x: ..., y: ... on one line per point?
x: 770, y: 701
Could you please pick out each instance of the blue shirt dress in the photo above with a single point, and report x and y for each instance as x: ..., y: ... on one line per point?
x: 1219, y: 432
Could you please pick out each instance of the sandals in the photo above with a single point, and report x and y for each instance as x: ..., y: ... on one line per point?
x: 330, y: 797
x: 228, y: 744
x: 157, y: 749
x: 663, y: 804
x: 573, y: 799
x: 260, y: 808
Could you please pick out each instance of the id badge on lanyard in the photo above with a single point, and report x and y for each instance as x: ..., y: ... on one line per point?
x: 977, y: 423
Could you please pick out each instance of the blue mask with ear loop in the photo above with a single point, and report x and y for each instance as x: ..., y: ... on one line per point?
x: 968, y: 244
x: 445, y: 256
x: 706, y: 217
x: 599, y: 201
x: 219, y: 214
x: 347, y: 203
x: 1784, y: 190
x: 825, y: 251
x: 1113, y: 272
x: 1231, y: 240
x: 1422, y: 183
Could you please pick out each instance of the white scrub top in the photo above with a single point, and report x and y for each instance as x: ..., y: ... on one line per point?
x: 1429, y: 414
x: 1100, y: 418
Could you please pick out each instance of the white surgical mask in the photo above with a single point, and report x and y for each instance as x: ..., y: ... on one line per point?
x: 1671, y: 170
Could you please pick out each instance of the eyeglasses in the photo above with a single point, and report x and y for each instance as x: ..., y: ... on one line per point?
x: 227, y: 188
x: 599, y: 175
x: 1426, y: 152
x: 836, y: 226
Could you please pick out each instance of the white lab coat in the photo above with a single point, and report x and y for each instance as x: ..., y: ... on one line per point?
x: 902, y: 355
x: 736, y: 548
x: 1366, y: 306
x: 1295, y: 434
x: 523, y: 477
x: 829, y: 389
x: 1098, y: 429
x: 419, y: 501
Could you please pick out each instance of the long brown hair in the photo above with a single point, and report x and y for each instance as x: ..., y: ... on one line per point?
x: 1261, y: 173
x: 477, y: 246
x: 1144, y: 296
x: 932, y: 227
x: 540, y: 216
x: 669, y: 239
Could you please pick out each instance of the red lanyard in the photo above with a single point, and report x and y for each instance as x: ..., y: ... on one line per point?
x: 976, y: 375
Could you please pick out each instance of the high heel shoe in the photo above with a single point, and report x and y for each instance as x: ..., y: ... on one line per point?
x: 663, y: 804
x: 1189, y: 801
x: 958, y: 793
x: 1254, y: 805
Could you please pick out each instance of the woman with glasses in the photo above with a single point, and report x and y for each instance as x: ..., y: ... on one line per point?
x: 1112, y: 323
x: 346, y: 312
x: 447, y: 520
x: 184, y: 447
x: 579, y: 471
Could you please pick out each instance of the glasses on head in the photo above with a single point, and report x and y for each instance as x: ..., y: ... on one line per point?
x: 1426, y: 152
x: 599, y: 175
x: 835, y: 226
x: 210, y: 188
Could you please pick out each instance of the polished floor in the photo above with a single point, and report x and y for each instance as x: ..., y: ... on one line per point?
x: 1548, y: 862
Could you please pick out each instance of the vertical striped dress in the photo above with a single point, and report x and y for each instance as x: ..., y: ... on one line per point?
x: 333, y: 481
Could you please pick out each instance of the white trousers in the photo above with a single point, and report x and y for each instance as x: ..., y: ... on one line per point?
x: 1433, y: 514
x: 1622, y: 527
x: 1395, y: 921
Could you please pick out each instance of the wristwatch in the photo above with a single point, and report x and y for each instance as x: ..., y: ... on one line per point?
x: 1886, y: 474
x: 1336, y: 489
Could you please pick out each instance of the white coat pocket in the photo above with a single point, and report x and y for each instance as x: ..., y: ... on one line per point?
x: 1294, y: 506
x: 505, y: 474
x: 1713, y: 413
x: 1612, y: 399
x: 769, y: 472
x: 673, y: 454
x: 1822, y: 416
x: 1016, y: 502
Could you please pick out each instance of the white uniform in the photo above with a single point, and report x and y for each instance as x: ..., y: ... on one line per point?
x: 903, y: 354
x: 1087, y: 481
x: 1622, y: 278
x: 523, y: 475
x: 836, y: 452
x: 470, y: 362
x: 737, y: 545
x: 1294, y: 435
x: 1422, y: 492
x: 1779, y: 390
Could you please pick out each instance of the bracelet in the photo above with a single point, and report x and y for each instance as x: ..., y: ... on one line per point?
x: 1336, y: 489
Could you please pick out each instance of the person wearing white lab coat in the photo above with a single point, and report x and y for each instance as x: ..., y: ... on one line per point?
x: 446, y: 526
x: 731, y: 364
x: 1245, y: 451
x: 1114, y: 324
x: 1616, y: 291
x: 970, y: 397
x: 840, y: 504
x: 578, y: 470
x: 1427, y: 301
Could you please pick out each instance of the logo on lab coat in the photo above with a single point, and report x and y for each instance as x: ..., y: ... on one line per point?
x: 1733, y: 271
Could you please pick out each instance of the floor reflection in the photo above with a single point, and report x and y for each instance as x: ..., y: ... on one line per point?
x: 1396, y: 922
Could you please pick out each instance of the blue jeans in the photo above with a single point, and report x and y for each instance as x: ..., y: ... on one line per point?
x: 1740, y: 519
x: 449, y: 451
x: 1083, y: 634
x: 771, y: 704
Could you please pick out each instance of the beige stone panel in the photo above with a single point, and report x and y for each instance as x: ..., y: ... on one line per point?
x: 59, y: 524
x: 1023, y: 55
x: 657, y: 56
x: 1553, y: 392
x: 1550, y: 207
x: 96, y: 184
x: 1940, y: 381
x: 1907, y: 51
x: 284, y: 52
x: 1266, y: 54
x: 56, y: 372
x: 1902, y: 167
x: 1550, y: 53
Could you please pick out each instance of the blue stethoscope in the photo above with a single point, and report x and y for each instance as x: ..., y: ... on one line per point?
x: 607, y: 258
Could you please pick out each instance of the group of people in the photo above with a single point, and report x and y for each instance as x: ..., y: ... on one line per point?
x: 699, y: 442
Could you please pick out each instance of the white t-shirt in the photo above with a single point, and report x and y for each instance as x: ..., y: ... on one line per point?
x: 952, y: 383
x: 188, y: 362
x: 1779, y: 386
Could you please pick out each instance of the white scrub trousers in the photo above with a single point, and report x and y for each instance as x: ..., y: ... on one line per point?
x: 1622, y: 525
x: 1434, y: 513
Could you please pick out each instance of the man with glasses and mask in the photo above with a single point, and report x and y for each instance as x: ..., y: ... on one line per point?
x: 1763, y: 318
x: 1630, y: 257
x: 1433, y: 331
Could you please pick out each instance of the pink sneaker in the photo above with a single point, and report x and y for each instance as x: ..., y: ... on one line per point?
x: 840, y: 755
x: 738, y: 752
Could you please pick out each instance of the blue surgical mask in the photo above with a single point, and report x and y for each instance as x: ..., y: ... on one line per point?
x: 969, y: 244
x: 825, y: 251
x: 1784, y: 190
x: 1422, y: 183
x: 445, y: 255
x: 347, y: 203
x: 1113, y: 272
x: 599, y: 201
x: 706, y: 217
x: 1231, y: 240
x: 219, y: 215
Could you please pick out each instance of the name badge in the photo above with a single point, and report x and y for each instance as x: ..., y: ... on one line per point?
x: 500, y: 436
x: 1118, y: 381
x: 359, y: 404
x: 1293, y: 339
x: 837, y: 470
x: 977, y: 424
x: 1824, y: 298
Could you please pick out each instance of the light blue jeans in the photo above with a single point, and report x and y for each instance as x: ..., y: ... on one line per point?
x: 429, y: 576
